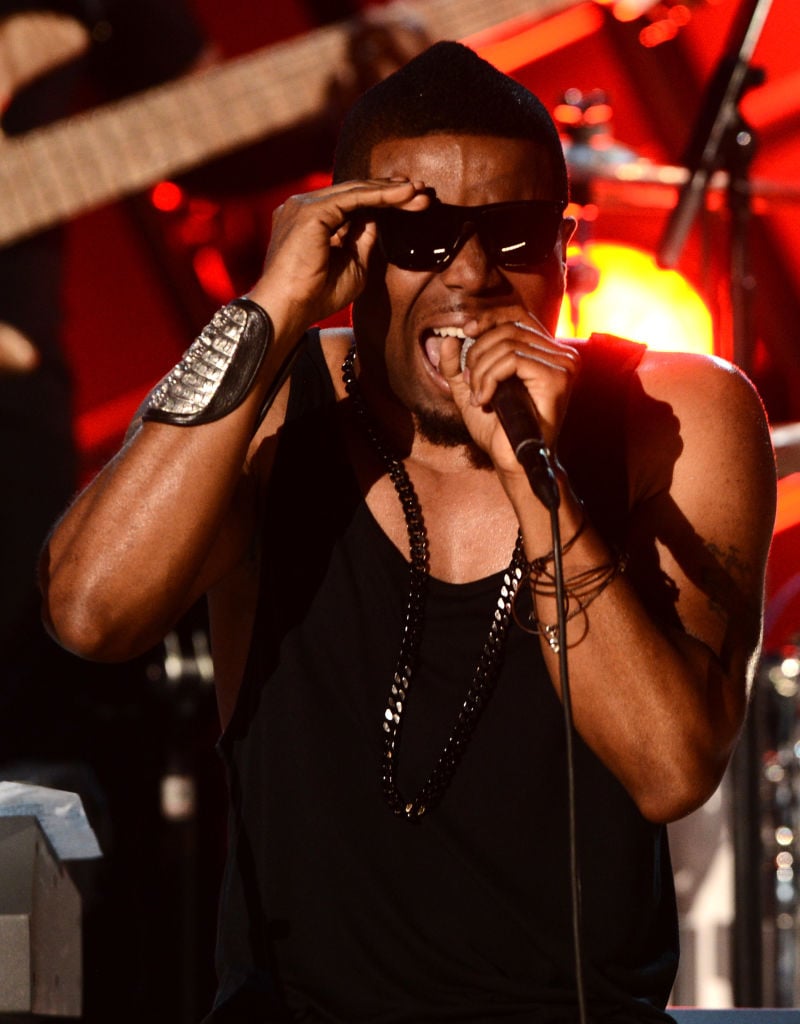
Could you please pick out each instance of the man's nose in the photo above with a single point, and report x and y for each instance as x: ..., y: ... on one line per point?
x: 471, y: 268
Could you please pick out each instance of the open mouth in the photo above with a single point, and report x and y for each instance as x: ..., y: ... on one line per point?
x: 432, y: 342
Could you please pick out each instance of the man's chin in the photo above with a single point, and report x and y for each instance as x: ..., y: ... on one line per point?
x: 449, y: 432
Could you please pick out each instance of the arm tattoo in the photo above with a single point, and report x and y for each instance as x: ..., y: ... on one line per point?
x: 727, y: 580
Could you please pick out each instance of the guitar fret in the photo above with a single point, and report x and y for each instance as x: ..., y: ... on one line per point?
x: 41, y: 174
x: 91, y: 153
x: 52, y: 173
x: 470, y: 16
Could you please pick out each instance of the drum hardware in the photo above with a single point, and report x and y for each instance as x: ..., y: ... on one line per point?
x: 584, y: 121
x: 190, y: 802
x: 641, y: 182
x: 786, y: 440
x: 774, y: 720
x: 590, y: 149
x: 778, y: 687
x: 665, y: 310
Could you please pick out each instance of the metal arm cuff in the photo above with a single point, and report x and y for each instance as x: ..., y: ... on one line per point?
x: 218, y: 369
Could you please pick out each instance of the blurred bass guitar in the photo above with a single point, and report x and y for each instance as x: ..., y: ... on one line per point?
x: 51, y: 174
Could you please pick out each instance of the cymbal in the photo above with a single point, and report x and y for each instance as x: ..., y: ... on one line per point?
x: 641, y: 182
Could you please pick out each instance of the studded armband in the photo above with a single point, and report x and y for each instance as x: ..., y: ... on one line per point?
x: 218, y: 369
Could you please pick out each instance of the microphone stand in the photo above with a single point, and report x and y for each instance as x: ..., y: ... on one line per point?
x: 723, y: 141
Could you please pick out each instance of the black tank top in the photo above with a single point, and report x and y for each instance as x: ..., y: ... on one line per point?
x: 335, y: 910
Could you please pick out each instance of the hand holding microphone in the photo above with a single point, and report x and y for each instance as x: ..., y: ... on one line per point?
x: 516, y: 412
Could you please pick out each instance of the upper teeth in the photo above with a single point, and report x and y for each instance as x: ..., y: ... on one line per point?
x: 449, y: 332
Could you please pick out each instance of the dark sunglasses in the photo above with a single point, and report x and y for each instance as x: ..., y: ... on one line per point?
x: 513, y: 235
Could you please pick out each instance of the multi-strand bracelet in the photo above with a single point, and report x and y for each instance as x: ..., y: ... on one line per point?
x: 579, y: 591
x: 539, y: 565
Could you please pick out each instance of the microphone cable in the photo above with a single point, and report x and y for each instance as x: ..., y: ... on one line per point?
x: 569, y: 729
x: 534, y: 457
x: 543, y: 483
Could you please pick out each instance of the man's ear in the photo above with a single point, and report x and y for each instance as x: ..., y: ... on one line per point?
x: 566, y: 231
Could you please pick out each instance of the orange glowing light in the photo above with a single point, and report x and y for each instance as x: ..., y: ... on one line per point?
x: 521, y: 41
x: 637, y: 299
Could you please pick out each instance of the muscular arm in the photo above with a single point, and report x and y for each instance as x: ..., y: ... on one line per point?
x: 660, y: 698
x: 708, y: 517
x: 167, y: 517
x: 174, y: 512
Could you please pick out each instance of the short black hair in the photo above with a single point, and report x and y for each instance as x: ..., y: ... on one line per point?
x: 447, y: 89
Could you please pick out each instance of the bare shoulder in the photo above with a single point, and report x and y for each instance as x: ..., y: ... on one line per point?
x: 705, y: 385
x: 703, y: 479
x: 703, y: 485
x: 695, y: 416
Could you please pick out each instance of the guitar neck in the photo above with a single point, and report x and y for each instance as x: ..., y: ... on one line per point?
x: 52, y: 174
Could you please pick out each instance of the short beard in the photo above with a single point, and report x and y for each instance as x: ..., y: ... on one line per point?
x: 449, y: 432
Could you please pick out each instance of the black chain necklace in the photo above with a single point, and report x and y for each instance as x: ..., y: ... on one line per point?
x: 488, y: 667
